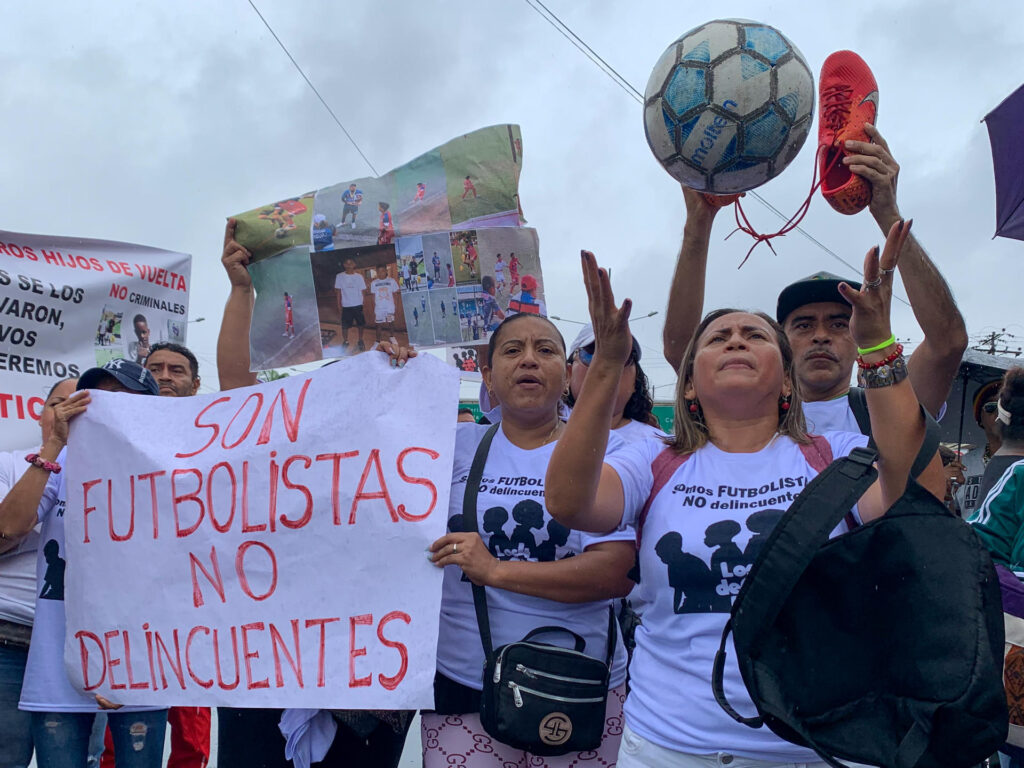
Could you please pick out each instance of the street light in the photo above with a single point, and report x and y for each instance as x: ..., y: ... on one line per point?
x: 197, y: 320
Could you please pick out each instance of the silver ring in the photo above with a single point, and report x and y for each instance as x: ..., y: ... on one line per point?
x: 455, y: 548
x: 886, y: 271
x: 873, y: 283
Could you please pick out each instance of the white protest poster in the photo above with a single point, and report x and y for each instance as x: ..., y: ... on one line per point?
x: 68, y: 304
x: 264, y: 546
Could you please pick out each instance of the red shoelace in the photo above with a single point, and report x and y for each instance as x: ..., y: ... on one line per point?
x: 743, y: 223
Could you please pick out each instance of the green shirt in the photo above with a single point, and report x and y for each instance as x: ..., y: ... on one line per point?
x: 999, y: 520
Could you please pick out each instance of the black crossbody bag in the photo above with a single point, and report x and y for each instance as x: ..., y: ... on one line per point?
x: 537, y: 697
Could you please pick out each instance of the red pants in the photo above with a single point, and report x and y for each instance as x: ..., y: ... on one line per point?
x: 190, y: 739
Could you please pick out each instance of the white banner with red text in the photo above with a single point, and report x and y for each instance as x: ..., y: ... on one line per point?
x: 68, y: 304
x: 265, y: 546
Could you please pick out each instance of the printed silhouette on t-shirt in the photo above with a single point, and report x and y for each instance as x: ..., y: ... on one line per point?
x: 498, y: 544
x: 529, y: 516
x: 455, y: 524
x: 558, y: 535
x: 693, y: 584
x: 53, y: 579
x: 727, y: 562
x: 760, y: 524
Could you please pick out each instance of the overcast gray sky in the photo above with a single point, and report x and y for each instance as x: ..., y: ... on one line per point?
x: 152, y: 122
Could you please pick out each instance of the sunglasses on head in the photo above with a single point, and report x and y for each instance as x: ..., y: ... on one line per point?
x: 586, y: 354
x: 990, y: 407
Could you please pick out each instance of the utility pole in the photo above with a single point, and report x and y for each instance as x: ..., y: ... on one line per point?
x: 995, y: 343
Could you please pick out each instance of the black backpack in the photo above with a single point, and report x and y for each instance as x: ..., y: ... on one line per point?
x: 881, y: 646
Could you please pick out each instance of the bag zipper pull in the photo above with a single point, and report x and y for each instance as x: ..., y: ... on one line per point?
x: 497, y: 670
x: 516, y: 695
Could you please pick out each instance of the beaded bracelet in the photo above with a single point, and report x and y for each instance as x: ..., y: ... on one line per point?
x: 38, y: 461
x: 868, y: 366
x: 883, y: 345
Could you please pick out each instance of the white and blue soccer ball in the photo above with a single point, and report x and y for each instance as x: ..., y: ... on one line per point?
x: 728, y: 106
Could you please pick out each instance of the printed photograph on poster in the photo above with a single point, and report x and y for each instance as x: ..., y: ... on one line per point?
x: 444, y: 312
x: 465, y: 256
x: 285, y: 328
x: 437, y: 260
x: 409, y: 252
x: 482, y: 173
x: 467, y: 359
x: 108, y: 335
x: 358, y: 299
x: 354, y: 213
x: 141, y: 338
x: 272, y: 229
x: 511, y: 259
x: 421, y: 195
x: 471, y: 321
x: 417, y: 309
x: 176, y: 331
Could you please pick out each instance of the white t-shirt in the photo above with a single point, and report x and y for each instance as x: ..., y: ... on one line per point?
x: 351, y: 287
x: 515, y: 525
x: 830, y: 416
x: 637, y: 430
x: 17, y: 565
x: 384, y: 290
x: 46, y: 687
x: 701, y: 535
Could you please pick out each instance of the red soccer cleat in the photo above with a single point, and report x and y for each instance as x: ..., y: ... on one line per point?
x: 849, y: 98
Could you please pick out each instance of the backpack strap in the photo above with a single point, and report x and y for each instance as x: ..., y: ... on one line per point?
x: 858, y: 403
x: 469, y: 524
x: 664, y: 466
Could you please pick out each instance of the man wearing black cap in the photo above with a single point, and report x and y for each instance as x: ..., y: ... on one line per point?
x: 816, y: 317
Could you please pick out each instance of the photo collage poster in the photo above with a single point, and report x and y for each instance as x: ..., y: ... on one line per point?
x: 432, y: 253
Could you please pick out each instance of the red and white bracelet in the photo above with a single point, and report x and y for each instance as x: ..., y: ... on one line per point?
x: 38, y: 461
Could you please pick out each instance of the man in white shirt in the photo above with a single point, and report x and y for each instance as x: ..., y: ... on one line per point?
x: 349, y: 287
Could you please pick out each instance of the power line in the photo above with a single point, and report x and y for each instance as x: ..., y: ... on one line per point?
x: 563, y: 29
x: 548, y: 15
x: 313, y: 87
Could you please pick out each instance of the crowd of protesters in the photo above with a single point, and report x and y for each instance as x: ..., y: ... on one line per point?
x: 754, y: 390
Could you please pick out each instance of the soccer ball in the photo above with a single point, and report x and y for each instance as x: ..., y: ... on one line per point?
x: 280, y: 232
x: 728, y: 106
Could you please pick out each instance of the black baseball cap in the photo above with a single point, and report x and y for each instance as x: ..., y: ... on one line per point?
x: 128, y: 372
x: 821, y: 286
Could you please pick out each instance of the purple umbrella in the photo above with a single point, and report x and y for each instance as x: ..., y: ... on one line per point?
x: 1005, y: 130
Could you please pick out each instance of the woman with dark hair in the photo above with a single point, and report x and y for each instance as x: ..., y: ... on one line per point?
x: 633, y: 412
x: 539, y: 575
x: 740, y: 449
x: 999, y: 519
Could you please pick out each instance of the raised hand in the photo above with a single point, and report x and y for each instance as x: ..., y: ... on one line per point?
x: 612, y: 338
x: 869, y: 324
x: 65, y: 411
x: 235, y: 258
x: 874, y: 162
